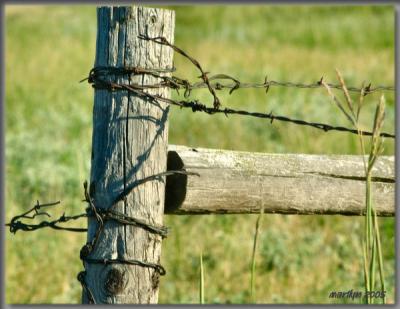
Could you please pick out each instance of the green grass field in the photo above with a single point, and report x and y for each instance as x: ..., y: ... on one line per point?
x: 300, y: 259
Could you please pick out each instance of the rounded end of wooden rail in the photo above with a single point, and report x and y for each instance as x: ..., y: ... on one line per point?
x: 175, y: 188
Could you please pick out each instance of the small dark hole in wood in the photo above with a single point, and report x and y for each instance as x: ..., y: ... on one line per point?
x: 175, y: 188
x: 153, y: 19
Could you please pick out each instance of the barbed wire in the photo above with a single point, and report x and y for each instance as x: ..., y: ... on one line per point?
x: 182, y: 83
x: 98, y: 74
x: 15, y: 224
x: 101, y: 215
x: 368, y: 89
x: 203, y: 76
x: 197, y: 106
x: 177, y: 83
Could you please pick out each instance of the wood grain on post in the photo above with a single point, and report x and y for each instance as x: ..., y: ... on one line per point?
x: 130, y: 138
x: 242, y: 182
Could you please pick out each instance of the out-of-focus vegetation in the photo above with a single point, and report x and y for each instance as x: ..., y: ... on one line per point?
x: 300, y: 259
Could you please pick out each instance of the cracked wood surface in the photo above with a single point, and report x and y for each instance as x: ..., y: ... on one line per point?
x: 242, y: 182
x: 130, y: 138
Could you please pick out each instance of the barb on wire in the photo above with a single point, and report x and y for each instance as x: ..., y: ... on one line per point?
x: 204, y: 75
x: 16, y: 224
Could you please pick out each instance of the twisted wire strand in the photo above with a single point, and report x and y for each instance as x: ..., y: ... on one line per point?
x: 197, y: 106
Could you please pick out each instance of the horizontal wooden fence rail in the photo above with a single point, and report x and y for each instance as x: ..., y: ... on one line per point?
x: 242, y: 182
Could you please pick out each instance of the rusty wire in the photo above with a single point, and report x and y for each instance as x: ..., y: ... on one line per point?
x: 197, y: 106
x: 266, y: 84
x: 97, y: 79
x: 16, y: 224
x: 182, y: 83
x: 101, y: 215
x: 214, y: 82
x: 203, y: 76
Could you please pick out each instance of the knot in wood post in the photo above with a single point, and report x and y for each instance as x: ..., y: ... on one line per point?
x: 115, y: 281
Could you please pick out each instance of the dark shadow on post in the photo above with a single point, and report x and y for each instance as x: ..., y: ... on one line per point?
x: 131, y: 174
x: 175, y: 188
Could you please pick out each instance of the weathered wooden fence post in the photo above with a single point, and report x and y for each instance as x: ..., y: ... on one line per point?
x: 130, y: 137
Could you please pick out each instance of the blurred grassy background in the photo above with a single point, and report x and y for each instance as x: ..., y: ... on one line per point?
x: 48, y: 142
